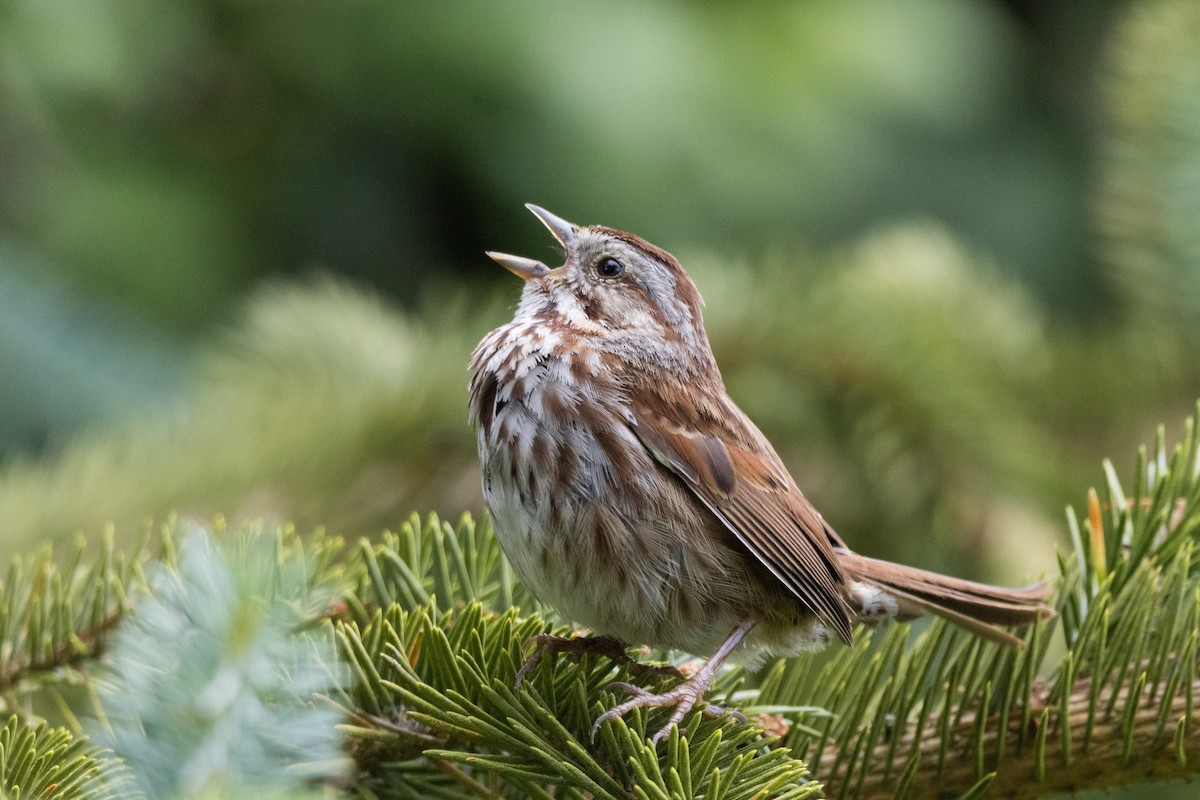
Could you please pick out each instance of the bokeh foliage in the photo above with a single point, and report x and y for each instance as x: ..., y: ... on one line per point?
x: 934, y: 357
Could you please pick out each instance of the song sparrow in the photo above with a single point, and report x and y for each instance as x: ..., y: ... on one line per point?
x: 633, y: 495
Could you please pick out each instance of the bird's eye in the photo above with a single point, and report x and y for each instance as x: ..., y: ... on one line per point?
x: 610, y: 268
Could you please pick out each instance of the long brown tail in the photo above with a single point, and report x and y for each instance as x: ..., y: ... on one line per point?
x: 977, y: 607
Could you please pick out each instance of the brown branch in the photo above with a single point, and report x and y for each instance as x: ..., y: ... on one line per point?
x: 1102, y: 763
x: 66, y: 654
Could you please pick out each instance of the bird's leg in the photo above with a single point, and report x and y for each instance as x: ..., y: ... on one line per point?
x: 578, y: 646
x: 686, y: 695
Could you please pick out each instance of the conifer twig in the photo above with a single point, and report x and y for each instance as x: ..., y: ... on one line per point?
x: 1166, y: 745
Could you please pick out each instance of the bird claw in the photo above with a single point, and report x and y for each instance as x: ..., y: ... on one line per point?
x: 543, y: 643
x: 684, y: 697
x: 628, y: 688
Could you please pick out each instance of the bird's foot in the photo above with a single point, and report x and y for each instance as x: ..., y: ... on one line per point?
x: 578, y: 646
x: 684, y: 698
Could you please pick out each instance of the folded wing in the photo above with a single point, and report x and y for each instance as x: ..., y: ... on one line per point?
x: 754, y: 497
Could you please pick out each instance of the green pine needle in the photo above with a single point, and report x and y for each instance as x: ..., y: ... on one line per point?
x: 44, y: 763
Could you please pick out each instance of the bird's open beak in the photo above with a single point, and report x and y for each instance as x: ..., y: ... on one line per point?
x: 524, y: 268
x: 563, y: 231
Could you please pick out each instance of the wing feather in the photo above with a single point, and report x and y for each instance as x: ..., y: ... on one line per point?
x: 755, y: 499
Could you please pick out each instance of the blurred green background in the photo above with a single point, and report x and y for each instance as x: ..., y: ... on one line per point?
x: 949, y: 249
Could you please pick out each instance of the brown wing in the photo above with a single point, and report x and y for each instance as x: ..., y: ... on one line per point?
x: 754, y: 497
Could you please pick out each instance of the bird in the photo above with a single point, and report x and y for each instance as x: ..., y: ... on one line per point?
x: 630, y: 492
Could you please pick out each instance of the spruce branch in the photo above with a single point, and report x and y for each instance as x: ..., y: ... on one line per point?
x: 437, y: 711
x: 56, y: 615
x: 45, y: 763
x: 947, y: 713
x: 209, y: 686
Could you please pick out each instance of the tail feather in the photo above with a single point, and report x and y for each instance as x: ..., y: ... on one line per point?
x: 977, y: 607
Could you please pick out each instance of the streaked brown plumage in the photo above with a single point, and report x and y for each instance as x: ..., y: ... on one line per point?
x: 632, y: 494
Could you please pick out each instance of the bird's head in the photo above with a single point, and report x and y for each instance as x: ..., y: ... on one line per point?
x: 612, y: 284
